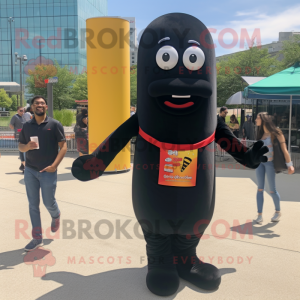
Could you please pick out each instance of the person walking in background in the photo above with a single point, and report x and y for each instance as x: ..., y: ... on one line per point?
x: 28, y: 116
x: 16, y: 123
x: 248, y: 129
x: 221, y: 118
x: 132, y: 111
x: 83, y: 112
x: 223, y: 113
x: 42, y: 160
x: 267, y: 132
x: 81, y: 135
x: 234, y: 125
x: 275, y: 119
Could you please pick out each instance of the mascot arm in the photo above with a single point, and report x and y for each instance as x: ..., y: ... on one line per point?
x: 227, y: 141
x: 249, y: 157
x: 91, y: 166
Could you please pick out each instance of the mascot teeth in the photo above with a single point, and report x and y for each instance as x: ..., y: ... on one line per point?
x: 175, y: 96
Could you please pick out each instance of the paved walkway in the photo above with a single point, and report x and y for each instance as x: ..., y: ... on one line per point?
x: 263, y: 263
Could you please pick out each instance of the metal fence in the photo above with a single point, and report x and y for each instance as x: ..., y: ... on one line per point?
x: 5, y: 128
x: 8, y: 143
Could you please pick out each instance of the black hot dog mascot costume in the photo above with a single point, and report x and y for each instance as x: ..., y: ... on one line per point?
x: 173, y: 186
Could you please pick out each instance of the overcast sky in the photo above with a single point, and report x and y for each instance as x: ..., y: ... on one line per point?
x: 268, y: 16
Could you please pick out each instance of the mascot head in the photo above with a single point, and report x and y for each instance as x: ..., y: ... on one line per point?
x: 177, y: 80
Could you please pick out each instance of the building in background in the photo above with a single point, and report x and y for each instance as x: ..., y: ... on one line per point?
x: 133, y: 40
x: 44, y: 31
x: 273, y: 48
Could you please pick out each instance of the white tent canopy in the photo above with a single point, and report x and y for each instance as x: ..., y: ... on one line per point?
x: 10, y: 87
x: 237, y: 99
x: 252, y: 79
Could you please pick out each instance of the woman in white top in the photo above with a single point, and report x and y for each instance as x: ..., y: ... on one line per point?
x: 267, y: 132
x: 27, y: 116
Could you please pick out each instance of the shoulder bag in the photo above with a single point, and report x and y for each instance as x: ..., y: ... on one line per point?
x: 278, y: 160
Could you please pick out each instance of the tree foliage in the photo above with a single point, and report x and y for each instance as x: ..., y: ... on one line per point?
x: 80, y: 91
x: 291, y: 51
x: 35, y: 82
x: 62, y: 96
x: 5, y: 101
x: 42, y: 72
x: 14, y: 104
x: 252, y: 62
x: 133, y: 85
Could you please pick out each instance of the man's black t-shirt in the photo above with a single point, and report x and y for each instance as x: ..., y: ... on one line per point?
x: 50, y: 133
x: 17, y: 121
x: 220, y: 118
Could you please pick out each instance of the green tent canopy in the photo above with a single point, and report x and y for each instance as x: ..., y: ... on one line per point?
x: 286, y: 82
x: 282, y: 85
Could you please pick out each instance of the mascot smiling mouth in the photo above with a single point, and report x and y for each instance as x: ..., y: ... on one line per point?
x: 180, y: 95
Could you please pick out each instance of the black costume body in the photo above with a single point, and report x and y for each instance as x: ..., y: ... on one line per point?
x: 174, y: 218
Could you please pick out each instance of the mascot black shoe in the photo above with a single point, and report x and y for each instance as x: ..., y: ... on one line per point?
x: 203, y: 275
x: 173, y: 183
x: 189, y: 267
x: 162, y: 278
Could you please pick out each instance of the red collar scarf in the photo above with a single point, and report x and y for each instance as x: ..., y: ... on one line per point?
x: 178, y: 147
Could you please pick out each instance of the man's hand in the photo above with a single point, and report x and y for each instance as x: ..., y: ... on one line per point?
x: 255, y: 155
x: 87, y: 167
x: 49, y: 169
x: 291, y: 170
x: 31, y: 145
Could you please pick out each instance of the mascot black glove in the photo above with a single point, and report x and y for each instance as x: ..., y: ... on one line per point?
x: 255, y: 155
x: 87, y: 167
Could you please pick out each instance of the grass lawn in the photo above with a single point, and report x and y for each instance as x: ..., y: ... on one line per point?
x: 4, y: 121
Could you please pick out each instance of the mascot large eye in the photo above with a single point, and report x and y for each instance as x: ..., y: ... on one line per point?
x: 193, y: 58
x: 167, y: 57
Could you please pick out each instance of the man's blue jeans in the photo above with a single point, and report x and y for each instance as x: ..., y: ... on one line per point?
x: 261, y: 171
x: 22, y: 156
x: 34, y: 181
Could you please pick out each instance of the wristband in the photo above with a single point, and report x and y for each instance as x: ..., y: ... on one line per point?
x: 290, y: 164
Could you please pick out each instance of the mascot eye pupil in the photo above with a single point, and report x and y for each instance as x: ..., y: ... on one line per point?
x: 166, y: 57
x: 193, y: 58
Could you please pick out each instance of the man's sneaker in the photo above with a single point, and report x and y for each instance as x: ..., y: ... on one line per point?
x: 22, y: 168
x: 276, y: 217
x: 259, y: 219
x: 55, y: 224
x: 34, y: 244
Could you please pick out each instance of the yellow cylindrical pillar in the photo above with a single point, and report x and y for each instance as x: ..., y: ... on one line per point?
x: 108, y: 69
